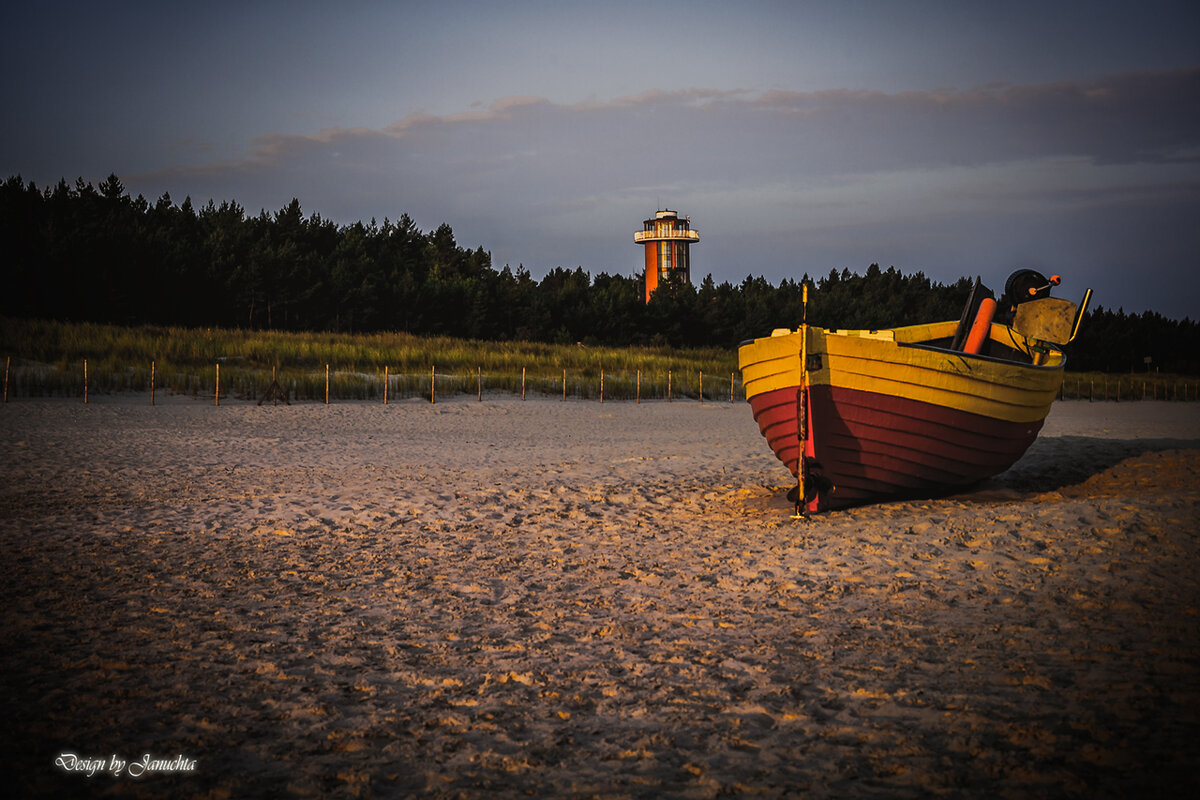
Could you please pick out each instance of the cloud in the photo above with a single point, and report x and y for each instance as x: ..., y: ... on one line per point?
x: 807, y: 178
x: 737, y: 136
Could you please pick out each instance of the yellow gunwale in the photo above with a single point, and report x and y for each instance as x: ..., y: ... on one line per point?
x: 895, y: 363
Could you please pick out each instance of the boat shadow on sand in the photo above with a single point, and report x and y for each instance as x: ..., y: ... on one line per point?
x: 1086, y: 465
x: 1072, y: 466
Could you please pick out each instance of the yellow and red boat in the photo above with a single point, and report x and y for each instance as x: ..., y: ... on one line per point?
x: 862, y: 416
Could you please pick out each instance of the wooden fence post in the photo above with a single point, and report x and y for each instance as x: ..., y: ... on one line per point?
x: 522, y: 383
x: 85, y: 381
x: 601, y: 386
x: 731, y: 387
x: 217, y: 388
x: 326, y: 384
x: 639, y: 387
x: 432, y: 384
x: 668, y: 386
x: 479, y: 382
x: 701, y: 386
x: 385, y: 384
x: 151, y: 383
x: 564, y: 399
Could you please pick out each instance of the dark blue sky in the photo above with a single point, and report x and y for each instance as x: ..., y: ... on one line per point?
x: 956, y: 138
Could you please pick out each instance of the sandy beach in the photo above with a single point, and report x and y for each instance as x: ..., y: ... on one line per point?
x: 576, y: 599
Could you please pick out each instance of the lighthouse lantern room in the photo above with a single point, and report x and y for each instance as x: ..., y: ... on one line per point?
x: 666, y: 239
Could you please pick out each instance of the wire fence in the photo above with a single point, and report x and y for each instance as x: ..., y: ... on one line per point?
x: 1128, y: 388
x: 229, y: 381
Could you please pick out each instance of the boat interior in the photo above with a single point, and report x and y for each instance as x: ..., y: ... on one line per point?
x: 1003, y: 343
x: 1026, y: 326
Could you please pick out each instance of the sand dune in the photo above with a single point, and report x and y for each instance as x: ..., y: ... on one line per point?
x: 579, y: 599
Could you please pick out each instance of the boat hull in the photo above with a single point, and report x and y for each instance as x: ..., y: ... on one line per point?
x: 872, y: 447
x: 886, y: 419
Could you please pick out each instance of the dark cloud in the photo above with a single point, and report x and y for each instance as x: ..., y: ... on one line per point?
x: 1141, y: 118
x: 829, y: 178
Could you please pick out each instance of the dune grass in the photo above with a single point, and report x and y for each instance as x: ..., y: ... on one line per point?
x: 1097, y: 386
x: 47, y: 358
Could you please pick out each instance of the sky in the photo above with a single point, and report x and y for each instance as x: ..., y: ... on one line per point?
x: 955, y: 138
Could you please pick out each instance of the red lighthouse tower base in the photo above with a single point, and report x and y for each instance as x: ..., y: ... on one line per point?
x: 666, y: 238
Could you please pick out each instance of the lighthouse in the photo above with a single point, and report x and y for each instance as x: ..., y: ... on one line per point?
x: 666, y: 238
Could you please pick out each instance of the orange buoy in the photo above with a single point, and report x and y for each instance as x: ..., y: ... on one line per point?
x: 981, y: 327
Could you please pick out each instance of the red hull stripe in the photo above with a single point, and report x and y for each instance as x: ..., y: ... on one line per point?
x: 775, y: 413
x: 871, y: 446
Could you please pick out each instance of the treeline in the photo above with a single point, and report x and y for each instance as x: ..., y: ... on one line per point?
x: 1113, y: 341
x: 93, y: 253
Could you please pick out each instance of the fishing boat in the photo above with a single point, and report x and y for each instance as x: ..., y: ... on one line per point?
x: 861, y: 416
